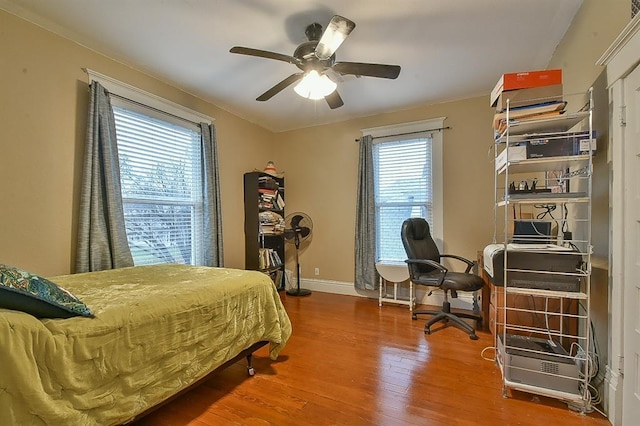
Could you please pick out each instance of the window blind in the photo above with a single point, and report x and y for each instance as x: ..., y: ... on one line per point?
x: 161, y: 179
x: 403, y: 186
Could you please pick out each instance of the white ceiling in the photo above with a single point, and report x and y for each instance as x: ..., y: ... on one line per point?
x: 448, y: 49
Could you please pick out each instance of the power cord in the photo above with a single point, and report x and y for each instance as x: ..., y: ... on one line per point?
x: 548, y: 210
x: 486, y: 349
x: 546, y: 321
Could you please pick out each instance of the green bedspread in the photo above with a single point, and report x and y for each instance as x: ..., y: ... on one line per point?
x: 157, y: 330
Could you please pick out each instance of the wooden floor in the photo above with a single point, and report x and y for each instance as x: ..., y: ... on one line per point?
x: 350, y: 362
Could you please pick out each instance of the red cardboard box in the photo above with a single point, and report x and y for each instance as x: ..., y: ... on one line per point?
x: 525, y: 80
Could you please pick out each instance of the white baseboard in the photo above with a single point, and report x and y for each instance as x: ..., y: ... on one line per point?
x: 335, y: 287
x: 463, y: 301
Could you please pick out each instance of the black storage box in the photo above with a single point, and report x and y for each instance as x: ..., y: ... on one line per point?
x: 556, y: 146
x: 550, y: 148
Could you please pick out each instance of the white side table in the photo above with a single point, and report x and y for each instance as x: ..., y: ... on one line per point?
x: 396, y: 273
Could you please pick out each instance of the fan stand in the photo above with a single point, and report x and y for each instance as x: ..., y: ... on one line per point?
x: 298, y: 291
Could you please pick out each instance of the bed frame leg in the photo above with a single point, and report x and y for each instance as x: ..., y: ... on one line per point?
x: 250, y: 370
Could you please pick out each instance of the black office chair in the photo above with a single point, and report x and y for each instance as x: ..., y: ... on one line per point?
x: 424, y: 261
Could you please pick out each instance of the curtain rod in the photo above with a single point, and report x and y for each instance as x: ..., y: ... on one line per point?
x: 439, y: 129
x: 124, y: 98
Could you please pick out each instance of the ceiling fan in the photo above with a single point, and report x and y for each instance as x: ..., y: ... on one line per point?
x: 317, y: 59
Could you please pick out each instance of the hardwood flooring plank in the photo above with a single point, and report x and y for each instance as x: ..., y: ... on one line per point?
x: 351, y: 362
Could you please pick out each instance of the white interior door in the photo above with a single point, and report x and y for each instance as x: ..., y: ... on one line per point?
x: 631, y: 388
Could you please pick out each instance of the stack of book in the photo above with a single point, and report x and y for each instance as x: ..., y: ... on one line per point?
x: 271, y: 223
x: 269, y: 259
x: 526, y: 96
x: 270, y: 199
x: 270, y: 196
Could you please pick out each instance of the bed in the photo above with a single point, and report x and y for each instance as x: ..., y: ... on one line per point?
x: 155, y: 331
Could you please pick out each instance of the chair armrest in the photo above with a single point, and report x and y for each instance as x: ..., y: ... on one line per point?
x: 412, y: 262
x: 431, y: 263
x: 469, y: 263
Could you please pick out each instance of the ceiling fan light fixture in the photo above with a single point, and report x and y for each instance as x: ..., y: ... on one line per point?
x: 315, y: 86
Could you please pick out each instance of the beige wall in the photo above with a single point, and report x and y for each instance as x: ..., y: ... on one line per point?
x: 43, y: 105
x: 42, y: 117
x: 321, y: 165
x: 594, y: 28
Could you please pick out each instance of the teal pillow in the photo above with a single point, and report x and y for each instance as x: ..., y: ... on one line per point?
x: 23, y: 291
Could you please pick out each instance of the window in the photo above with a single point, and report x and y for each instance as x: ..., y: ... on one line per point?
x: 161, y: 188
x: 402, y: 183
x: 160, y: 155
x: 407, y: 182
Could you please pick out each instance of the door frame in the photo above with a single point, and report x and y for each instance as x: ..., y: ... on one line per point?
x: 621, y: 58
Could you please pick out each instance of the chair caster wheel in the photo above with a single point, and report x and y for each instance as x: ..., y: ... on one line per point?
x: 251, y: 371
x: 427, y: 331
x: 473, y: 337
x: 414, y: 316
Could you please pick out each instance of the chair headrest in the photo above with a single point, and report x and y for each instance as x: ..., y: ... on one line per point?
x: 416, y: 228
x: 418, y: 243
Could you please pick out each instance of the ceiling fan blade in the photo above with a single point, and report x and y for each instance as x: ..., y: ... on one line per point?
x: 334, y: 75
x: 334, y: 100
x: 265, y: 54
x: 369, y: 70
x: 280, y: 86
x: 336, y: 32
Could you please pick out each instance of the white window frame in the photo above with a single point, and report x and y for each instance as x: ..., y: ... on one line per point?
x: 145, y: 98
x: 156, y: 107
x: 433, y: 127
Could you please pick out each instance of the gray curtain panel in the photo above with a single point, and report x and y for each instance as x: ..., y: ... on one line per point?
x: 213, y: 250
x: 366, y: 277
x: 102, y: 238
